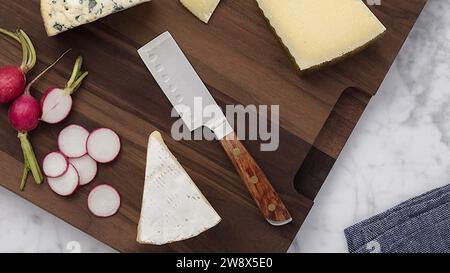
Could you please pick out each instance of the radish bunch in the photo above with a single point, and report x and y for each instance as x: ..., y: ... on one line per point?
x: 75, y: 164
x: 56, y: 103
x: 23, y: 115
x: 24, y: 112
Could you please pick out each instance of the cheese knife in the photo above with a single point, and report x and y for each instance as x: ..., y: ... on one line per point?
x: 184, y: 89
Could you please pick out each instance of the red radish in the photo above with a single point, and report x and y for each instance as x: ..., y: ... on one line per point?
x: 24, y: 113
x: 86, y: 168
x: 55, y: 164
x: 72, y: 141
x: 13, y: 78
x: 104, y: 201
x: 12, y: 83
x: 103, y: 145
x: 66, y: 184
x: 23, y: 116
x: 56, y: 103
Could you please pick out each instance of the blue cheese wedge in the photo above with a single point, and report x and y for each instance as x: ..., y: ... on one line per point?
x: 318, y: 32
x: 173, y: 208
x: 62, y: 15
x: 202, y: 9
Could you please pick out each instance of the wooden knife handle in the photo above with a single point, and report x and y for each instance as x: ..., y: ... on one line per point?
x: 256, y: 181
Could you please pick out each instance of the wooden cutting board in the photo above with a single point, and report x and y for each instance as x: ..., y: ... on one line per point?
x: 241, y: 62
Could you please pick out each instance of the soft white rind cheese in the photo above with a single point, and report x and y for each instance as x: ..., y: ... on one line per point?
x: 316, y: 32
x: 203, y: 9
x: 173, y: 208
x: 62, y: 15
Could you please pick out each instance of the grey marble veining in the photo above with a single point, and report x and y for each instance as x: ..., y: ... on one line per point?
x: 400, y: 149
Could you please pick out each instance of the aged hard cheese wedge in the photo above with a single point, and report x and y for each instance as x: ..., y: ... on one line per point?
x: 62, y: 15
x: 316, y: 32
x: 203, y: 9
x: 173, y: 208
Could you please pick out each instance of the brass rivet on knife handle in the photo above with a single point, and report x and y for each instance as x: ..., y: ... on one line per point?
x: 259, y: 186
x: 272, y: 207
x: 254, y: 179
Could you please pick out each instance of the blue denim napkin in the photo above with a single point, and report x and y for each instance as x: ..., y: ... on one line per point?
x: 421, y: 224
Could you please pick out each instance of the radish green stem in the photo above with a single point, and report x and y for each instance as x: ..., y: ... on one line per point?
x: 75, y: 71
x: 78, y: 82
x: 28, y: 50
x: 27, y: 88
x: 10, y: 34
x: 23, y: 182
x: 77, y: 76
x: 31, y: 50
x: 25, y: 53
x: 30, y: 158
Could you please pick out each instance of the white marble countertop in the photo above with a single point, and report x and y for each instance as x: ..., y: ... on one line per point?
x: 400, y: 149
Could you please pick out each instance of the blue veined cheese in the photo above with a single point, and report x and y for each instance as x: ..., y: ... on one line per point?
x: 318, y: 32
x: 62, y: 15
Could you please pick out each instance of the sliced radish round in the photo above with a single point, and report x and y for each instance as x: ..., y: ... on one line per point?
x: 66, y: 184
x: 103, y: 145
x: 56, y: 105
x: 72, y: 141
x: 55, y: 164
x: 104, y: 201
x: 86, y: 168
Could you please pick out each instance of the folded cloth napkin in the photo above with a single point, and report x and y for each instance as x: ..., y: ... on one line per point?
x: 419, y: 225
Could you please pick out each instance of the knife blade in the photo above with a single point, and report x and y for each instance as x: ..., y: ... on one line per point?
x: 190, y: 97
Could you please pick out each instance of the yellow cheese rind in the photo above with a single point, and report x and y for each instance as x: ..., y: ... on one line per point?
x: 319, y: 32
x: 202, y: 9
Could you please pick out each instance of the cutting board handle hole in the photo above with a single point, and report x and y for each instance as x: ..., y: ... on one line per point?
x: 330, y: 142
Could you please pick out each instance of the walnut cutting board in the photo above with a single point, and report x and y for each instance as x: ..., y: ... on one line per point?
x: 241, y: 62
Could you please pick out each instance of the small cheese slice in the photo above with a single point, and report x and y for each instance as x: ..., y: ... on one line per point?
x: 173, y: 208
x: 317, y: 32
x: 62, y: 15
x: 203, y: 9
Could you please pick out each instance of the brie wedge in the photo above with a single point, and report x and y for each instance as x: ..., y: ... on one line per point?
x: 317, y: 32
x: 203, y: 9
x: 173, y: 208
x: 62, y: 15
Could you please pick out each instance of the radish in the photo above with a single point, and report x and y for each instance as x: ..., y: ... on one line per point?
x: 24, y: 113
x: 104, y: 201
x: 13, y: 78
x: 23, y: 116
x: 72, y: 141
x: 55, y: 164
x: 12, y: 83
x: 86, y: 168
x: 103, y: 145
x: 66, y: 184
x: 56, y: 103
